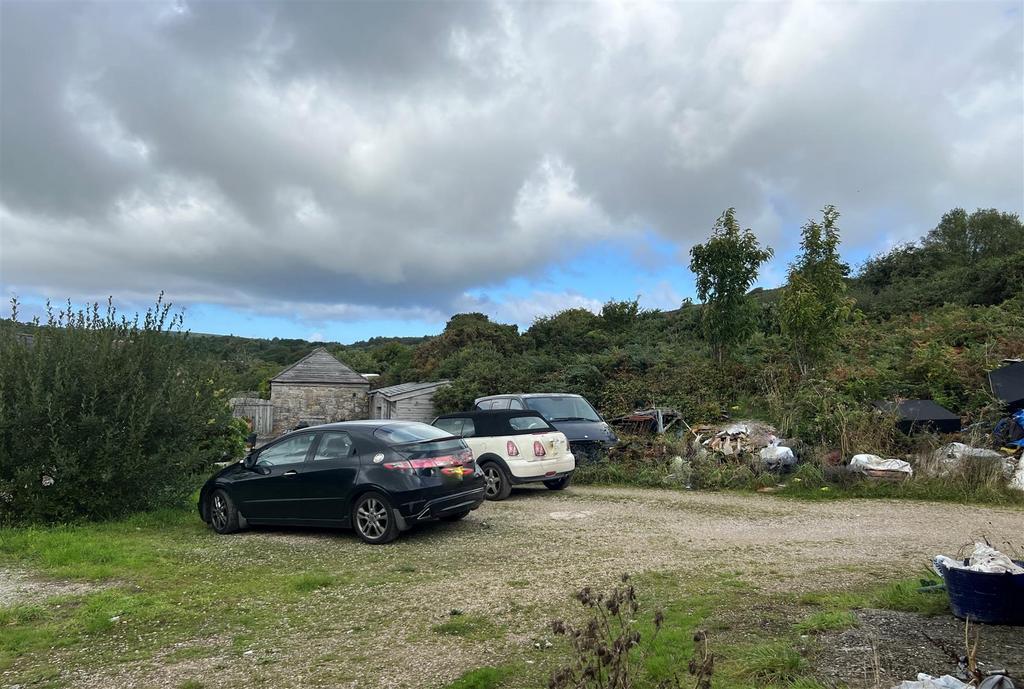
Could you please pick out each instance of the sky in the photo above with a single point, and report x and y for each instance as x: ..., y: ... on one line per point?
x: 337, y: 171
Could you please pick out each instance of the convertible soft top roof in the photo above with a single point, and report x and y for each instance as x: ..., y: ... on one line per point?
x: 496, y: 422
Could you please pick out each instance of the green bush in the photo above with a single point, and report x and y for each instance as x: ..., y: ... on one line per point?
x: 101, y: 415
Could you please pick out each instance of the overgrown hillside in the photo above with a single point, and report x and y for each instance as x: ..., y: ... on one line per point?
x: 928, y: 319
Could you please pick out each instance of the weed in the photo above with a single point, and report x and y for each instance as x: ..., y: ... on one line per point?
x: 771, y: 663
x: 607, y: 648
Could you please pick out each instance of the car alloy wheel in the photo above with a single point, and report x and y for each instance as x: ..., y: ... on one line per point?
x: 492, y: 481
x: 372, y: 519
x: 219, y: 512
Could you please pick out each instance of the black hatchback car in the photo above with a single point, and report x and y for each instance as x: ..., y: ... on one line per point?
x: 378, y: 477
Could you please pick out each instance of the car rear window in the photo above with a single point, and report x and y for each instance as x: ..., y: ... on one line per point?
x: 529, y: 423
x: 401, y: 434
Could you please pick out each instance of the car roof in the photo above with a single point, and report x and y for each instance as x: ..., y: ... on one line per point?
x: 491, y: 413
x: 528, y: 394
x: 364, y: 425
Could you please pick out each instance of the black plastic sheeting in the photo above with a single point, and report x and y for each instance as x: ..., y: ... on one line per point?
x: 920, y: 415
x: 1008, y: 384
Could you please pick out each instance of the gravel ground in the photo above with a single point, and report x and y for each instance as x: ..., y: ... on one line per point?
x: 18, y: 586
x: 516, y: 564
x: 898, y: 645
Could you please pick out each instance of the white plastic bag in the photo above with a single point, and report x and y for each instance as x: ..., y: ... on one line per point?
x: 928, y: 682
x: 873, y: 465
x: 775, y: 456
x: 984, y: 559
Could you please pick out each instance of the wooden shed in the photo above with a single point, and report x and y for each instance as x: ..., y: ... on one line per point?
x: 317, y: 389
x: 406, y: 401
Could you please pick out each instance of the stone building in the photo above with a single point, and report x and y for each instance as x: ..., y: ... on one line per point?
x: 317, y: 389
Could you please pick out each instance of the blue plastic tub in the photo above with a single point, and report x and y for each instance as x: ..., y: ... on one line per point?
x: 985, y: 597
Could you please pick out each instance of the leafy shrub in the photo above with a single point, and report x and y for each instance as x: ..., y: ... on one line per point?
x: 102, y: 416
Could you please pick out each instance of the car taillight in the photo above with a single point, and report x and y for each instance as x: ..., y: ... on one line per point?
x: 399, y: 465
x: 538, y: 449
x: 511, y: 448
x: 464, y: 458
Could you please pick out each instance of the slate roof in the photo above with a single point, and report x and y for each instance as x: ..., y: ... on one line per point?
x: 319, y: 367
x: 393, y: 391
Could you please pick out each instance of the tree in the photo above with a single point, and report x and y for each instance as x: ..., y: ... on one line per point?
x: 814, y: 304
x: 726, y: 266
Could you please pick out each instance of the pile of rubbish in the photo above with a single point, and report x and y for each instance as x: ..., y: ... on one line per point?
x: 747, y: 438
x: 947, y: 459
x: 985, y: 558
x: 875, y: 467
x: 952, y: 456
x: 949, y: 682
x: 987, y: 587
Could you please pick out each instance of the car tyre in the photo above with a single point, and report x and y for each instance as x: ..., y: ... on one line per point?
x: 222, y: 512
x: 374, y: 519
x: 497, y: 483
x: 455, y: 516
x: 559, y: 483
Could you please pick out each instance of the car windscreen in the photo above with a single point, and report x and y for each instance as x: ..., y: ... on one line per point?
x: 569, y: 408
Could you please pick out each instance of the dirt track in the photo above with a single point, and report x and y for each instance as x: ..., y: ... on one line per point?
x: 516, y: 564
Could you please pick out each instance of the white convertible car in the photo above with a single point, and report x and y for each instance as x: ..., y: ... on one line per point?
x: 513, y: 447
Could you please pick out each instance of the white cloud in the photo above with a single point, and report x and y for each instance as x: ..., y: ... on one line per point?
x: 313, y: 159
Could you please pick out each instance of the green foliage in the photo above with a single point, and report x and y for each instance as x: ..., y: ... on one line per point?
x: 101, y: 416
x: 814, y: 306
x: 725, y: 268
x: 967, y: 259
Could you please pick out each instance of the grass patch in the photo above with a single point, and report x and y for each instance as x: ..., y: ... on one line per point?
x: 481, y: 678
x: 770, y: 664
x: 476, y: 627
x: 309, y: 582
x: 902, y: 595
x: 826, y: 621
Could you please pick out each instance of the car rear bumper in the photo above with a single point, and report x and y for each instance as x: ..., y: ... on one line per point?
x: 416, y: 511
x: 530, y: 472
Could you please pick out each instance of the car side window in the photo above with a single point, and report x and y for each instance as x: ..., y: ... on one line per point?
x: 333, y: 445
x: 468, y: 428
x: 515, y: 404
x: 290, y: 451
x: 527, y: 423
x: 500, y: 404
x: 485, y: 405
x: 453, y: 426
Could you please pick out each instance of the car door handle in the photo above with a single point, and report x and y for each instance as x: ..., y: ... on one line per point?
x: 290, y: 472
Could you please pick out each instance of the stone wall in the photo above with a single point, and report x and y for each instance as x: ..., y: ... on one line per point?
x: 313, y: 403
